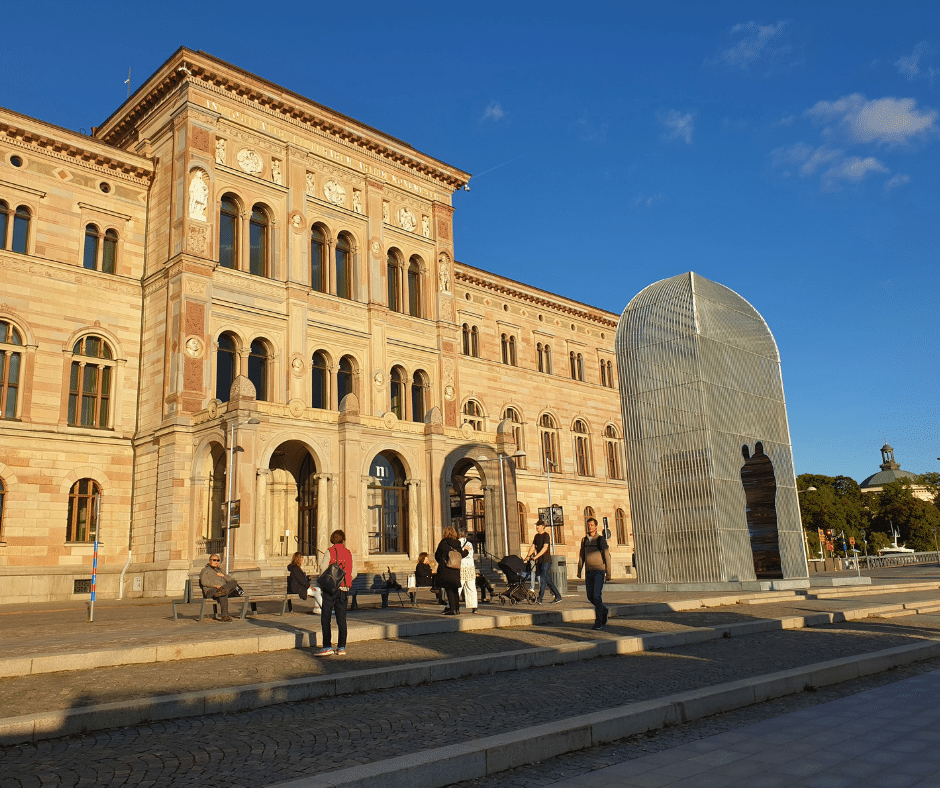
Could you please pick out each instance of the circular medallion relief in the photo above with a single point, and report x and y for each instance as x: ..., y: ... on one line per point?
x: 376, y: 247
x: 297, y: 221
x: 250, y: 161
x: 389, y: 418
x: 379, y: 379
x: 193, y: 347
x: 296, y: 408
x: 448, y: 393
x: 467, y: 431
x: 213, y: 408
x: 334, y: 192
x: 297, y: 365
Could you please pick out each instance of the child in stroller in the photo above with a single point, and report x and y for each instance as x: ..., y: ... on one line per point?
x: 517, y: 581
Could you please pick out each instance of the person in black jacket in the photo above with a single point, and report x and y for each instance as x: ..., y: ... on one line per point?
x: 424, y: 576
x: 298, y: 582
x: 448, y: 576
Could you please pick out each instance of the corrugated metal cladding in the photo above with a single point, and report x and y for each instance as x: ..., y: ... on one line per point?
x: 699, y: 379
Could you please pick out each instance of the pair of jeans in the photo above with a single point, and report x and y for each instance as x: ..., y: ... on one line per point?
x: 335, y: 602
x: 545, y: 579
x: 594, y: 583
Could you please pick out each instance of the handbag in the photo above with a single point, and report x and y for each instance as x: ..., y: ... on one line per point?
x: 331, y: 578
x: 454, y: 557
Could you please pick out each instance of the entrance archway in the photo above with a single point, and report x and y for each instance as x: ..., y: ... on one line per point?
x: 292, y: 495
x: 467, y: 508
x: 388, y: 505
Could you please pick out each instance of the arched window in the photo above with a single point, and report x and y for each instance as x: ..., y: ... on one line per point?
x: 612, y: 451
x: 258, y: 368
x: 582, y: 448
x: 473, y: 415
x: 620, y: 518
x: 90, y: 255
x: 228, y: 232
x: 471, y: 345
x: 109, y: 252
x: 320, y: 374
x: 345, y: 378
x: 11, y: 361
x: 2, y: 494
x: 540, y: 357
x: 548, y: 438
x: 20, y: 239
x: 523, y: 536
x: 512, y: 351
x: 603, y: 373
x: 573, y: 365
x: 393, y: 274
x: 258, y: 242
x: 610, y: 373
x: 4, y: 223
x: 419, y: 389
x: 388, y: 505
x: 397, y: 392
x: 317, y: 259
x: 414, y: 287
x: 577, y: 366
x: 548, y: 359
x: 83, y: 511
x: 226, y: 367
x: 504, y: 347
x: 100, y: 252
x: 344, y: 279
x: 508, y: 344
x: 513, y: 415
x: 90, y: 383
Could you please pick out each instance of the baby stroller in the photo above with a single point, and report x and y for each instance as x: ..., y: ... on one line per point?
x: 517, y: 581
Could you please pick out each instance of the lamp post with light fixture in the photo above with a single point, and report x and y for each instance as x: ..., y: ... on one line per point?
x: 229, y: 474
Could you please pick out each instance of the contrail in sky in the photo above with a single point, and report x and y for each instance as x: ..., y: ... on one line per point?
x: 500, y: 165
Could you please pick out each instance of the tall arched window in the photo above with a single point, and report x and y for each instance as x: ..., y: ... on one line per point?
x: 393, y: 274
x: 90, y: 255
x: 345, y: 378
x: 620, y: 518
x: 397, y: 392
x: 582, y: 448
x: 100, y: 252
x: 548, y: 437
x: 504, y: 347
x: 508, y: 345
x: 83, y: 511
x: 4, y: 223
x: 603, y: 373
x: 523, y: 535
x: 573, y: 365
x: 577, y: 366
x: 388, y: 505
x: 414, y: 287
x: 419, y: 389
x: 513, y: 415
x: 612, y: 451
x: 317, y: 259
x: 226, y: 367
x: 259, y: 243
x: 258, y: 368
x: 109, y: 252
x: 540, y: 357
x: 607, y: 374
x: 548, y: 359
x: 20, y: 240
x: 90, y: 383
x: 11, y: 360
x: 473, y: 415
x: 344, y: 278
x: 320, y: 374
x: 228, y: 232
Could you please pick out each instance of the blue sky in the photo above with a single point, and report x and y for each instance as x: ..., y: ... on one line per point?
x: 789, y: 151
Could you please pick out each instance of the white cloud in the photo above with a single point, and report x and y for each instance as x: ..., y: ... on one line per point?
x: 591, y: 132
x: 678, y: 126
x: 786, y: 120
x: 822, y: 155
x: 886, y: 120
x: 853, y: 168
x: 833, y: 162
x: 647, y: 200
x: 898, y: 180
x: 910, y: 65
x: 493, y: 112
x: 754, y: 44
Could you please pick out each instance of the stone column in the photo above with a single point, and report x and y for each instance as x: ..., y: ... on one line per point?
x: 262, y: 537
x: 416, y: 534
x: 323, y: 513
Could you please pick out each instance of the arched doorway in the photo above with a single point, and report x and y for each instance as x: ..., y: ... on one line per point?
x: 388, y: 505
x: 467, y: 509
x: 760, y: 494
x: 292, y: 503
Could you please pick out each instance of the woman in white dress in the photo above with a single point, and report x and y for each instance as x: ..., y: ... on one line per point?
x: 468, y: 573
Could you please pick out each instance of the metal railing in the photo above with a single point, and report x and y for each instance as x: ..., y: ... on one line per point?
x: 879, y: 562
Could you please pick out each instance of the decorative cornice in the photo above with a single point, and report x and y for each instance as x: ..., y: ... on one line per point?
x: 505, y: 287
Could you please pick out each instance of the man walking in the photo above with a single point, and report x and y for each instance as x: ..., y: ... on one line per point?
x: 595, y: 555
x: 541, y: 552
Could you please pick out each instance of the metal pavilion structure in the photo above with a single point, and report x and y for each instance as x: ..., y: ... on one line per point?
x: 712, y: 485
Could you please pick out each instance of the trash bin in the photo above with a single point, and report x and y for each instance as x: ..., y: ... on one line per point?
x: 560, y: 573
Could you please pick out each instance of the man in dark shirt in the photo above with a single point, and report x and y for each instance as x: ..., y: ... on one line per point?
x: 542, y: 553
x: 595, y: 556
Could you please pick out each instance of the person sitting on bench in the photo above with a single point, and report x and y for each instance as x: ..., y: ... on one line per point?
x: 299, y: 583
x: 483, y: 587
x: 215, y: 584
x: 424, y: 577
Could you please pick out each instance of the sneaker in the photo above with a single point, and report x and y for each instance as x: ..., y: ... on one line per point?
x: 340, y: 652
x: 606, y: 616
x: 598, y: 625
x: 555, y: 601
x: 324, y: 652
x: 449, y: 612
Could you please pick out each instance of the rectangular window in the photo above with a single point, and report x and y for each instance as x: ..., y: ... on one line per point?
x: 258, y: 252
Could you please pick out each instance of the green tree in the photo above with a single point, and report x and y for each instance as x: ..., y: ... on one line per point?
x: 916, y: 520
x: 837, y: 504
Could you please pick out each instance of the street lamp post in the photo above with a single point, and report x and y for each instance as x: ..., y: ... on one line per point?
x: 228, y: 501
x: 549, y: 464
x: 502, y: 486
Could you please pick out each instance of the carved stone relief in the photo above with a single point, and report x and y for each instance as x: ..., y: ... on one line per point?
x: 385, y: 216
x: 297, y: 221
x: 406, y: 219
x: 443, y: 273
x: 443, y: 230
x: 202, y: 139
x: 334, y: 192
x: 198, y: 195
x: 379, y: 378
x: 193, y: 347
x: 220, y: 151
x: 198, y: 241
x: 449, y: 393
x: 297, y: 365
x: 311, y: 185
x: 276, y: 172
x: 425, y: 227
x: 250, y: 161
x: 376, y: 248
x: 357, y: 201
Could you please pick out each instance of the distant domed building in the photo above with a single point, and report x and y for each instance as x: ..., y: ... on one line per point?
x: 891, y: 472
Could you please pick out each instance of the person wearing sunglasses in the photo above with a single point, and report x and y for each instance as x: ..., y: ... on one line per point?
x: 217, y: 585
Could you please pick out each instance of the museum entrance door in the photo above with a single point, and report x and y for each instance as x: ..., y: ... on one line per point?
x: 467, y: 508
x: 292, y: 500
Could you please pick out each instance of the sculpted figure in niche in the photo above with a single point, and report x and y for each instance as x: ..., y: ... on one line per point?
x: 357, y: 201
x: 220, y: 151
x: 198, y: 196
x: 385, y: 217
x: 406, y: 220
x: 276, y: 172
x: 443, y: 272
x: 311, y: 186
x: 425, y: 227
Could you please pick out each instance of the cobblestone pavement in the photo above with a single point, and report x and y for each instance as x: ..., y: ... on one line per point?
x: 583, y: 762
x: 282, y: 742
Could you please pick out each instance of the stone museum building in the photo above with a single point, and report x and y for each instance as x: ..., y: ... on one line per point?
x: 227, y: 292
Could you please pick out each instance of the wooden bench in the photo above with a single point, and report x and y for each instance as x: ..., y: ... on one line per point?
x: 262, y: 589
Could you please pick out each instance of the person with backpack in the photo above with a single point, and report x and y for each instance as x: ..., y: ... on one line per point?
x: 335, y: 595
x: 595, y: 556
x: 449, y: 555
